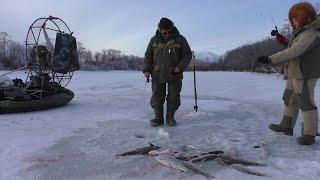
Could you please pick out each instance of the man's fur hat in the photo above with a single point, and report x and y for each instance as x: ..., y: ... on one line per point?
x: 303, y: 12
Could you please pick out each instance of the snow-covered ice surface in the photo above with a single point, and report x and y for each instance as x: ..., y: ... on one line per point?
x: 110, y: 114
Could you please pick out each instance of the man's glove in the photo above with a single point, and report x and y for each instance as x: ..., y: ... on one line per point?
x: 279, y: 37
x: 264, y: 59
x: 175, y: 71
x: 147, y: 75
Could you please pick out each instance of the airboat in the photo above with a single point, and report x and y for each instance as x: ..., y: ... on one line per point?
x: 51, y: 59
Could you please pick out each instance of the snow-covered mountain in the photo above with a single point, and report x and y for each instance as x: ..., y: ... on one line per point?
x: 207, y: 56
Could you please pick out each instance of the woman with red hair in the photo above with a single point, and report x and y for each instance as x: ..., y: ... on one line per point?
x: 301, y: 62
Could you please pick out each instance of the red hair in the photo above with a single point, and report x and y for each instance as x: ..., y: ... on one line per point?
x: 303, y: 12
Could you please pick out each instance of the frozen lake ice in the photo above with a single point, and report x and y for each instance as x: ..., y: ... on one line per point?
x: 110, y: 114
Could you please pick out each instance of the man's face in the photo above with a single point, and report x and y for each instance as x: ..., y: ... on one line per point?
x: 296, y: 23
x: 165, y: 34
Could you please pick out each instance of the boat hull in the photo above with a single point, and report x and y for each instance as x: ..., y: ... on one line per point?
x: 52, y: 101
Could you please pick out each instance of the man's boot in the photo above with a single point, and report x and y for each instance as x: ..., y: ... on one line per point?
x: 285, y: 126
x: 309, y: 127
x: 306, y: 140
x: 158, y: 119
x: 170, y: 117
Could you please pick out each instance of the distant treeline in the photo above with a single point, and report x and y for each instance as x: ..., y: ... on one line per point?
x: 107, y: 59
x: 244, y: 58
x: 12, y: 56
x: 239, y: 59
x: 11, y: 53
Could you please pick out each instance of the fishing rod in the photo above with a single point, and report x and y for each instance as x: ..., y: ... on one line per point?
x: 274, y: 32
x: 195, y: 107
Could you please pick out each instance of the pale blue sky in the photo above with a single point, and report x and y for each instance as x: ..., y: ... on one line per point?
x: 128, y: 25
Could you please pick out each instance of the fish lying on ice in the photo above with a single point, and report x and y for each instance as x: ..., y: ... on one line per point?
x: 171, y: 162
x: 140, y: 151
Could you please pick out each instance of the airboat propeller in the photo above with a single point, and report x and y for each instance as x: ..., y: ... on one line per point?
x: 51, y: 57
